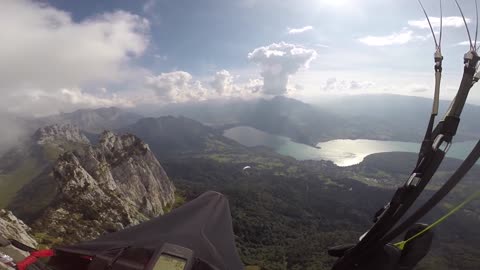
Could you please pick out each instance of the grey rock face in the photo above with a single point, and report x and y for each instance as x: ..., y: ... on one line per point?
x: 55, y: 133
x: 13, y: 228
x: 105, y: 188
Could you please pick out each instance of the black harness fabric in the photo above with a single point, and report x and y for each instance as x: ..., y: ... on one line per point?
x: 203, y: 225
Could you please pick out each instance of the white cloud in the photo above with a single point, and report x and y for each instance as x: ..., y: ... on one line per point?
x: 332, y: 84
x: 44, y: 52
x: 41, y: 103
x: 452, y: 21
x: 463, y: 43
x: 44, y: 47
x: 278, y: 61
x: 149, y: 5
x: 398, y: 38
x: 177, y: 86
x: 180, y: 86
x: 223, y: 83
x: 293, y: 31
x: 354, y: 85
x: 254, y: 86
x: 150, y: 10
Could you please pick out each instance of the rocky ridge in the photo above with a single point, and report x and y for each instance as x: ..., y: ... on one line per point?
x: 59, y: 133
x: 13, y: 228
x: 105, y: 188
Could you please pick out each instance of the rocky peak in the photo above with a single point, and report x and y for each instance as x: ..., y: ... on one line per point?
x: 13, y: 228
x: 56, y: 133
x: 106, y: 187
x: 118, y: 144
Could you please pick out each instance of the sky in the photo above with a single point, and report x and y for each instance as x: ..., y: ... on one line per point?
x: 59, y: 55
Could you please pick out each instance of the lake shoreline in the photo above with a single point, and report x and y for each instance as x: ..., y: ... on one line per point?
x: 342, y: 152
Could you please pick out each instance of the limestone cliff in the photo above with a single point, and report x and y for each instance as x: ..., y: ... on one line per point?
x: 106, y: 187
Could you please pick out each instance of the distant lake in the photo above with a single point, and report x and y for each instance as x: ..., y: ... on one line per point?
x: 341, y: 152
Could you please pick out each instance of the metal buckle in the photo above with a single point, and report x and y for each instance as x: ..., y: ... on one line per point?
x: 476, y: 77
x: 414, y: 180
x: 440, y: 144
x: 467, y: 58
x: 438, y: 56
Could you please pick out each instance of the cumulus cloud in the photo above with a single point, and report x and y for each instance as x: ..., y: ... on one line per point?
x: 254, y: 86
x: 45, y: 54
x: 277, y: 62
x: 451, y: 21
x: 40, y: 102
x: 397, y: 38
x: 177, y: 86
x: 293, y: 31
x: 180, y: 86
x: 332, y: 84
x: 223, y: 83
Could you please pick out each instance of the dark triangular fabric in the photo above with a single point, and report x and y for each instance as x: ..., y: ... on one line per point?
x: 203, y: 225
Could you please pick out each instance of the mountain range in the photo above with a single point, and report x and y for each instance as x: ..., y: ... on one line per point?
x: 70, y: 190
x: 376, y: 117
x: 285, y: 212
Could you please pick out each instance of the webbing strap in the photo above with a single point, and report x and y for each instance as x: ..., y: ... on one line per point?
x: 34, y: 256
x: 472, y: 197
x: 436, y: 96
x: 457, y: 176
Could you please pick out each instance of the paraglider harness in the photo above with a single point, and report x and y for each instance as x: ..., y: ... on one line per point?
x: 169, y: 256
x: 374, y: 251
x: 203, y: 241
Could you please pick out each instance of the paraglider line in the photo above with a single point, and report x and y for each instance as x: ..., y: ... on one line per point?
x: 466, y: 26
x: 429, y: 24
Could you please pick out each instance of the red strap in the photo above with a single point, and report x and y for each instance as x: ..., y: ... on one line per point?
x: 34, y: 257
x: 44, y: 253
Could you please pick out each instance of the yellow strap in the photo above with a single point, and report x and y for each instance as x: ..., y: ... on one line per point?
x: 472, y: 197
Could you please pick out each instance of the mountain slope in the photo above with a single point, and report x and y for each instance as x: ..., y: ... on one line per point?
x: 176, y: 136
x: 97, y: 189
x: 280, y: 115
x: 377, y: 117
x: 183, y: 139
x: 94, y: 120
x: 25, y: 162
x: 405, y: 116
x: 286, y: 213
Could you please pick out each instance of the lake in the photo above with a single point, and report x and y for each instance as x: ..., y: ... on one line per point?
x: 341, y: 152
